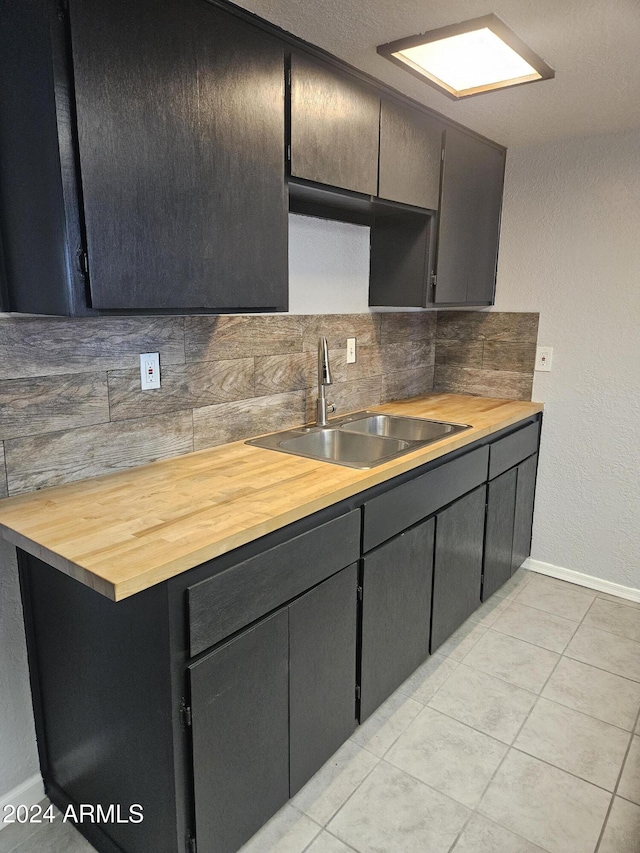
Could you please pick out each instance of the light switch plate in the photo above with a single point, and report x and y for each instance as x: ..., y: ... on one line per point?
x: 149, y: 370
x: 351, y: 350
x: 544, y: 357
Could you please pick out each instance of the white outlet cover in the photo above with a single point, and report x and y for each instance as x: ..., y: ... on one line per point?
x: 351, y: 350
x: 544, y: 357
x: 149, y: 370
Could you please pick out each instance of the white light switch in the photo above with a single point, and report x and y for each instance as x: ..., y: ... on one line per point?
x: 544, y: 357
x: 149, y: 370
x: 351, y: 350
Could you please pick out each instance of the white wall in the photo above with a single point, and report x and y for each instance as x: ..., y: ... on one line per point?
x: 570, y: 249
x: 328, y: 267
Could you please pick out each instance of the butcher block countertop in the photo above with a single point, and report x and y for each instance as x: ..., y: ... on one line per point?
x: 124, y: 532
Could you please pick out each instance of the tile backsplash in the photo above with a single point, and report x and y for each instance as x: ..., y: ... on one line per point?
x: 488, y: 354
x: 71, y: 405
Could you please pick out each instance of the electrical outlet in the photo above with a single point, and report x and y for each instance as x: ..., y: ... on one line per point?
x: 149, y: 370
x: 351, y: 350
x: 544, y: 357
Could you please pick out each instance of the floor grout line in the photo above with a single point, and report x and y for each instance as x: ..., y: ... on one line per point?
x: 617, y: 785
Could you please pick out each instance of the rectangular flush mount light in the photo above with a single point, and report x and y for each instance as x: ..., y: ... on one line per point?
x: 469, y: 58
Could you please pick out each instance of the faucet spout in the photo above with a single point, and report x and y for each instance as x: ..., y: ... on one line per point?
x: 324, y: 379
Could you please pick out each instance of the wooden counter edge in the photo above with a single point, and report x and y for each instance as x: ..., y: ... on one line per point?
x: 158, y: 574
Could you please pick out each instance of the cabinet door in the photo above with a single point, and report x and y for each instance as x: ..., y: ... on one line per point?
x: 469, y: 220
x: 180, y: 111
x: 334, y: 128
x: 395, y: 613
x: 322, y: 673
x: 239, y: 701
x: 501, y: 503
x: 410, y: 156
x: 525, y: 493
x: 457, y: 565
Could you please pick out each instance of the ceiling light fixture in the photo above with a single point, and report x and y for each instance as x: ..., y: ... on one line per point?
x: 466, y: 59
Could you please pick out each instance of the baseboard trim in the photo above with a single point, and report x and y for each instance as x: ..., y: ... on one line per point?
x: 29, y: 793
x: 581, y: 579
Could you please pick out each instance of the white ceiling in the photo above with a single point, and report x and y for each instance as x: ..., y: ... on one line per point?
x: 593, y: 45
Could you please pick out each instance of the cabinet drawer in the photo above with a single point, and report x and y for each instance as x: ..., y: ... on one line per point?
x: 407, y: 504
x: 228, y: 601
x: 511, y: 449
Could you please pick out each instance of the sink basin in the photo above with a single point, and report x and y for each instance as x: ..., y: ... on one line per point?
x: 407, y: 429
x: 361, y: 440
x: 349, y: 448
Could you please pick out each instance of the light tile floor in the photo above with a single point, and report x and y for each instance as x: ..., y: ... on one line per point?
x: 520, y: 735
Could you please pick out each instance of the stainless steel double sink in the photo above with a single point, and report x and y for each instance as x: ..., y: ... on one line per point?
x: 361, y: 440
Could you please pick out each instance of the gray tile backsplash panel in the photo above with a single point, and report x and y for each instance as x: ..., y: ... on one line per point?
x: 401, y: 327
x: 487, y: 326
x: 63, y: 457
x: 276, y: 374
x: 226, y: 422
x: 407, y: 383
x: 211, y: 338
x: 348, y: 396
x: 518, y: 357
x: 488, y: 354
x: 183, y: 386
x: 338, y: 327
x: 71, y: 405
x: 482, y: 383
x: 51, y: 403
x: 47, y: 346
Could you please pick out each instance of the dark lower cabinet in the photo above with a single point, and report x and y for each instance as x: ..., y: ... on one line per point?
x: 501, y: 505
x: 240, y: 706
x: 395, y: 613
x: 509, y: 522
x: 212, y: 698
x: 269, y: 708
x: 322, y: 673
x: 457, y: 567
x: 523, y: 521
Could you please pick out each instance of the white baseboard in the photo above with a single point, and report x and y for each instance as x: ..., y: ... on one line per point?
x: 589, y: 581
x: 27, y: 794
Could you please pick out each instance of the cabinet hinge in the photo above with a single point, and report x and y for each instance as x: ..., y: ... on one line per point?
x: 185, y: 714
x: 288, y: 153
x: 83, y: 263
x: 357, y: 692
x: 289, y: 76
x: 191, y: 844
x: 434, y: 280
x: 359, y: 593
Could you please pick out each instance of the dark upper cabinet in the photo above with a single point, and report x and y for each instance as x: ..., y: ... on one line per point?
x: 410, y: 156
x: 334, y: 128
x: 396, y: 606
x: 180, y: 114
x: 468, y: 220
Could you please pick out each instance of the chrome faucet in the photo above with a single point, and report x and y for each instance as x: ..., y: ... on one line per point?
x: 324, y: 378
